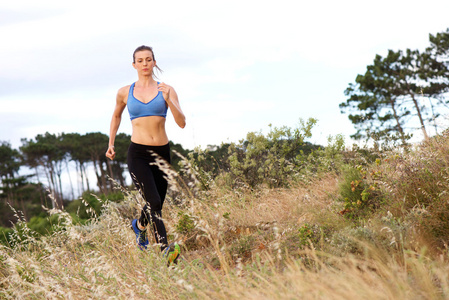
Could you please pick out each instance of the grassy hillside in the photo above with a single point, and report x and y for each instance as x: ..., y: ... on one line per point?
x: 363, y: 224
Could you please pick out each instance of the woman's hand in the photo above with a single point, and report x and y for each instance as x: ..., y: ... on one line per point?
x: 165, y: 89
x: 171, y: 98
x: 110, y: 153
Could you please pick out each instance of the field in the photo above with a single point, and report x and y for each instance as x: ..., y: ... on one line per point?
x: 375, y: 225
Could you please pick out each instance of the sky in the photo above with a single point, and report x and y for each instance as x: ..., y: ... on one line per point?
x: 237, y: 66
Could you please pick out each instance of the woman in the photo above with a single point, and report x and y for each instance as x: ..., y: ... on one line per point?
x: 147, y: 101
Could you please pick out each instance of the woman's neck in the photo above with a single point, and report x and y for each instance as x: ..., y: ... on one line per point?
x: 146, y: 81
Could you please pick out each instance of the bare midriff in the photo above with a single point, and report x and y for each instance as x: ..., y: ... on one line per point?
x: 149, y: 131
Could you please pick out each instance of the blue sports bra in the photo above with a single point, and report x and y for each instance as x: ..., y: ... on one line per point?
x: 137, y: 109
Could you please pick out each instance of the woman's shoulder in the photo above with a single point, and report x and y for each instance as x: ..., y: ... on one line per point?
x: 123, y: 91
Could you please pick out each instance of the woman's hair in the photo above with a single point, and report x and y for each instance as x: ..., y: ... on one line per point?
x: 143, y: 48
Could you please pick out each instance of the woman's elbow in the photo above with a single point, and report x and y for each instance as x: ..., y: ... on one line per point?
x: 182, y: 123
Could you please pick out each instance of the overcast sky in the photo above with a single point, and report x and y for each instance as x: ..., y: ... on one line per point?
x: 237, y: 66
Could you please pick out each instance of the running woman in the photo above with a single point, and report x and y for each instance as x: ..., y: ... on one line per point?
x: 148, y: 102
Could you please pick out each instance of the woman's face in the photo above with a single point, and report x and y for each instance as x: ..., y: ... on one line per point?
x: 143, y: 62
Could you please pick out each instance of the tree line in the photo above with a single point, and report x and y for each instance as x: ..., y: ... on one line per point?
x: 401, y: 92
x: 32, y: 175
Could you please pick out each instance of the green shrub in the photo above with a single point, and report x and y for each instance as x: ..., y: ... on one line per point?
x: 242, y: 247
x: 269, y: 159
x: 321, y: 160
x: 351, y: 240
x: 359, y: 191
x: 90, y: 205
x: 5, y: 235
x: 43, y: 225
x: 185, y: 224
x: 303, y: 237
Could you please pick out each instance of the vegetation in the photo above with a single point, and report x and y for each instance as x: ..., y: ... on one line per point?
x: 50, y: 156
x: 401, y: 92
x: 372, y: 224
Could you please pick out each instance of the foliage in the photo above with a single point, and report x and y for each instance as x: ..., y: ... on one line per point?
x: 419, y: 179
x: 242, y: 247
x: 10, y: 160
x: 185, y: 224
x: 48, y: 157
x: 214, y: 160
x: 276, y: 159
x: 50, y: 153
x: 90, y: 205
x: 264, y: 243
x: 270, y: 159
x: 24, y: 196
x: 4, y: 235
x: 360, y: 191
x: 176, y: 159
x: 43, y: 225
x: 391, y: 98
x: 303, y: 237
x: 15, y: 189
x: 321, y: 160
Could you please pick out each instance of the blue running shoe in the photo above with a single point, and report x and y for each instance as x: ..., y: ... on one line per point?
x: 171, y: 253
x: 141, y: 236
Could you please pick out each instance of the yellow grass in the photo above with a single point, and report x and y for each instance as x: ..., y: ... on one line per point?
x: 242, y: 247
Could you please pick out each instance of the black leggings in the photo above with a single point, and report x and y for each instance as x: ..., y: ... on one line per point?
x: 152, y: 185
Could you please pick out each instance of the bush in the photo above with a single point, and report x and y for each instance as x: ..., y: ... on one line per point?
x: 185, y: 224
x: 360, y: 191
x: 321, y: 160
x: 271, y: 159
x: 303, y: 237
x: 242, y: 247
x: 43, y: 225
x: 90, y: 205
x: 417, y: 183
x: 433, y: 223
x: 5, y: 235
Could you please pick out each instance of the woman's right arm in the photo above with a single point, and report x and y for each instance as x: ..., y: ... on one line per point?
x: 116, y: 119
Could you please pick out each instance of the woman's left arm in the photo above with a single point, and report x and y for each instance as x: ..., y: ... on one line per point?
x: 171, y: 98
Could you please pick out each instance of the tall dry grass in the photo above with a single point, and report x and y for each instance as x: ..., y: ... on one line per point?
x: 238, y: 243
